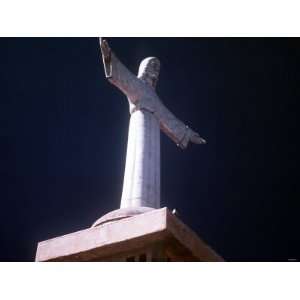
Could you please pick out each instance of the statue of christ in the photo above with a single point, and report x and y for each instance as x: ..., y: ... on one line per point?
x: 141, y: 186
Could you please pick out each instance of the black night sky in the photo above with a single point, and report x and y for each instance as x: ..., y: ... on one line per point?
x: 64, y: 133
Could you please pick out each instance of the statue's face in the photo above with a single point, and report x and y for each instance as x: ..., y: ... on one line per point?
x: 149, y: 70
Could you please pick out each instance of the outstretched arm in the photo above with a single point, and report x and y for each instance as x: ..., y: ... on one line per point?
x: 117, y: 73
x: 176, y: 129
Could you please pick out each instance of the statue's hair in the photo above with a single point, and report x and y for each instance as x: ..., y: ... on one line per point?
x: 149, y: 67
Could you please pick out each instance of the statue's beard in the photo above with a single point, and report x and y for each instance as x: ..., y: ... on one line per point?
x: 150, y: 79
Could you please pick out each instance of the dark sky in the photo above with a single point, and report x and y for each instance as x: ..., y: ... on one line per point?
x: 64, y: 133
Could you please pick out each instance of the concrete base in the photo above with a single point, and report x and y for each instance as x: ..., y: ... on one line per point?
x: 121, y: 213
x: 156, y: 235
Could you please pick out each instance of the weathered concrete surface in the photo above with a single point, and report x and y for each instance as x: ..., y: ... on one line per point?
x: 116, y: 239
x: 141, y: 185
x: 122, y: 213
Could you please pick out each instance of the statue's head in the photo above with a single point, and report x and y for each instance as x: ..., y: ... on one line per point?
x: 149, y: 70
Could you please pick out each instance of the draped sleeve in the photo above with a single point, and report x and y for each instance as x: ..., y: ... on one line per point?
x: 122, y: 78
x: 175, y: 129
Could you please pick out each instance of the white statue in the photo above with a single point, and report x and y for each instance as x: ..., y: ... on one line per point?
x: 141, y: 186
x: 140, y: 91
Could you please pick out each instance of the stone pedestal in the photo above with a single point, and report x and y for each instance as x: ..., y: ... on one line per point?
x: 156, y: 235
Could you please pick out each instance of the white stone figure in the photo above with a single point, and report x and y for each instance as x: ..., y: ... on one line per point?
x: 141, y: 186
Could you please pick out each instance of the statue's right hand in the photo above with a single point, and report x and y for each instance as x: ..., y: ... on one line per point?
x: 105, y: 49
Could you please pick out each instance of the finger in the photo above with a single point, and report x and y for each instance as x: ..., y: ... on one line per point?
x: 203, y: 141
x: 105, y: 44
x: 197, y: 139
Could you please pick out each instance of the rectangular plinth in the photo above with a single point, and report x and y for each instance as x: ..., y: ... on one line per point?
x: 123, y: 239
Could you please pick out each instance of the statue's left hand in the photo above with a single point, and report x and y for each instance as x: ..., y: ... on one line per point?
x: 195, y: 138
x: 191, y: 136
